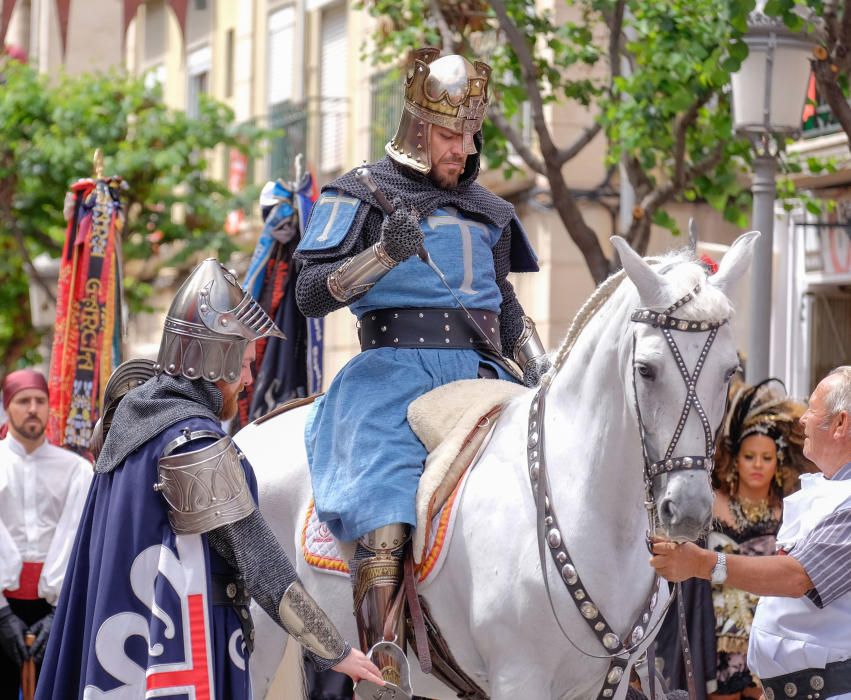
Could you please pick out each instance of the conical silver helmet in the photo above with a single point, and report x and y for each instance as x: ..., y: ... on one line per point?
x: 209, y: 324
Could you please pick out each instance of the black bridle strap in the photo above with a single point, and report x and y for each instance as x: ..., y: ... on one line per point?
x: 692, y: 399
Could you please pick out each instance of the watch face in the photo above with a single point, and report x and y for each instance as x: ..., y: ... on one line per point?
x: 719, y: 573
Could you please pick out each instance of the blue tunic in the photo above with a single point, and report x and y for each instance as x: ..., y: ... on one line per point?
x: 135, y: 610
x: 365, y: 461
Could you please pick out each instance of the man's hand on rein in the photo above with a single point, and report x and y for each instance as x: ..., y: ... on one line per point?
x: 678, y: 562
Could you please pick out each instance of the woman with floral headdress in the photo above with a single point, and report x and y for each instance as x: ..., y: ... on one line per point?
x: 758, y: 462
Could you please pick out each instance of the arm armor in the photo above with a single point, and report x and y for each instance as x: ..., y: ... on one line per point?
x: 528, y: 346
x: 359, y: 274
x: 313, y: 295
x: 204, y: 488
x: 251, y: 548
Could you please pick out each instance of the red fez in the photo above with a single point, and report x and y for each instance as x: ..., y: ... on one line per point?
x: 20, y: 380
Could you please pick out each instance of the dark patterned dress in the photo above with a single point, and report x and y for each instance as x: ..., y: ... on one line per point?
x: 734, y: 608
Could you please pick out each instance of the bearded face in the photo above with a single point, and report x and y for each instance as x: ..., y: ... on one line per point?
x: 28, y: 412
x: 447, y: 157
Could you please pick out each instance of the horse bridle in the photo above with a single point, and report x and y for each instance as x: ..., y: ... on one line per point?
x: 549, y: 531
x: 669, y: 464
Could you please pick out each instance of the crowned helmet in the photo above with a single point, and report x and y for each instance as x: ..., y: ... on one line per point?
x: 448, y: 91
x: 209, y: 325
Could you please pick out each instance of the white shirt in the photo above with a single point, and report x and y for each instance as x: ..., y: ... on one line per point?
x: 41, y: 500
x: 10, y: 560
x: 791, y: 634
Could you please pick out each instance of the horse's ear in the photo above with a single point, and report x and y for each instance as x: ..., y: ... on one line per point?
x: 649, y: 283
x: 735, y: 263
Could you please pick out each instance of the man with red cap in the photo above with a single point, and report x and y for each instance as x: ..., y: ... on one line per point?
x: 42, y: 492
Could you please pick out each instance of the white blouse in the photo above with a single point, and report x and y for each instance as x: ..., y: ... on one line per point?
x: 41, y: 500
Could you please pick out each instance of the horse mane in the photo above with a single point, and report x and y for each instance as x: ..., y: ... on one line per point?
x: 682, y: 273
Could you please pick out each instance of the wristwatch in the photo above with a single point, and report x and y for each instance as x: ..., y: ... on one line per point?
x: 719, y: 572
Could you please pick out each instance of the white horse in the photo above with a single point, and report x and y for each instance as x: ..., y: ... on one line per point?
x: 489, y: 598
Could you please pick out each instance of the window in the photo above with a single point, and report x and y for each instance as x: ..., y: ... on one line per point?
x: 279, y: 74
x: 387, y: 98
x: 285, y: 112
x: 333, y: 104
x: 198, y: 71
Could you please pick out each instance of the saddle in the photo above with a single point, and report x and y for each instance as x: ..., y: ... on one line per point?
x: 453, y: 422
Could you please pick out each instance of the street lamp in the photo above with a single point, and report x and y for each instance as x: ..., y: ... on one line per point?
x: 769, y: 91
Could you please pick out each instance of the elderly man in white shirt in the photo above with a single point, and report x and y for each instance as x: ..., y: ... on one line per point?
x: 42, y: 492
x: 800, y: 642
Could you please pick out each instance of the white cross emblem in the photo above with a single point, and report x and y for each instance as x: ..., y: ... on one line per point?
x: 466, y: 226
x: 335, y: 200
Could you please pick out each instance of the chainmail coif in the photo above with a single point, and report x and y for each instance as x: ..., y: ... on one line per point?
x: 251, y: 548
x: 146, y: 411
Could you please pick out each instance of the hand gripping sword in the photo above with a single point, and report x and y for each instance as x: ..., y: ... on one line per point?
x: 365, y: 178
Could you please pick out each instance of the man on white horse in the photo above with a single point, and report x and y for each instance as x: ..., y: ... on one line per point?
x: 171, y: 546
x: 418, y: 329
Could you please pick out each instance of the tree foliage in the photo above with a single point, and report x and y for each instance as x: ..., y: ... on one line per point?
x: 654, y: 75
x: 49, y: 129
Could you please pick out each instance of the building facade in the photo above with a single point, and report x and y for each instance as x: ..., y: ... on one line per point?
x: 297, y: 66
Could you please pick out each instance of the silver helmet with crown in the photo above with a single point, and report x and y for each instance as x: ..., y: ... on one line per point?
x: 209, y: 324
x: 446, y: 91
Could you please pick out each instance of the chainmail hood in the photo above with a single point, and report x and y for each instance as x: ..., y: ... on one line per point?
x: 421, y: 193
x: 146, y: 411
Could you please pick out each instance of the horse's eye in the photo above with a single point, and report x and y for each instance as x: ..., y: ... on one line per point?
x: 730, y: 373
x: 646, y: 371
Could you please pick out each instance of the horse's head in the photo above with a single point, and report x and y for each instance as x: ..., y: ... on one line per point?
x: 681, y: 358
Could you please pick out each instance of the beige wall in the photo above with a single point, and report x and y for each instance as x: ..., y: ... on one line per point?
x: 551, y: 296
x: 93, y: 41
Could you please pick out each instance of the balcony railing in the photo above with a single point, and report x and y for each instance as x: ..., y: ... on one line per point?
x: 292, y: 119
x: 821, y: 123
x: 387, y: 97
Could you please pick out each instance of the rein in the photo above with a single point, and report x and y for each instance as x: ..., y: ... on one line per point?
x: 619, y: 651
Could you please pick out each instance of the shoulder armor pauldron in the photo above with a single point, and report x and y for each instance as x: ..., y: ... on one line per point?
x: 204, y: 488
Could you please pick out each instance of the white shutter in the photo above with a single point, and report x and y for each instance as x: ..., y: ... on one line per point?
x: 279, y: 74
x: 332, y: 88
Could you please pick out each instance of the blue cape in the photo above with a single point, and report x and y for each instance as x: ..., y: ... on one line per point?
x: 135, y: 616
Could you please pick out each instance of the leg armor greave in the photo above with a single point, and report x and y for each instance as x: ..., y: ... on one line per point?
x: 377, y: 578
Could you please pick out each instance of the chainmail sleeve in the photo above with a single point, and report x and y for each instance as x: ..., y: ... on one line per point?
x: 511, y: 313
x: 311, y: 289
x: 251, y: 548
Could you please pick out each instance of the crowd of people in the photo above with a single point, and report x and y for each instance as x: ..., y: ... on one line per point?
x: 770, y: 594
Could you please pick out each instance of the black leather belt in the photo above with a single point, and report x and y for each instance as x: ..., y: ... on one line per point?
x: 813, y: 683
x: 429, y: 328
x: 227, y: 590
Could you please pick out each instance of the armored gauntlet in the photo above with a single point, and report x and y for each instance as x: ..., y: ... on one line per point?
x: 400, y: 232
x: 400, y: 238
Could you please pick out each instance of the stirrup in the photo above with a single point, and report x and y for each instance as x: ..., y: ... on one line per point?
x: 367, y: 690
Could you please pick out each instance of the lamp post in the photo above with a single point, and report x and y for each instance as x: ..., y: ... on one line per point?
x: 768, y: 100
